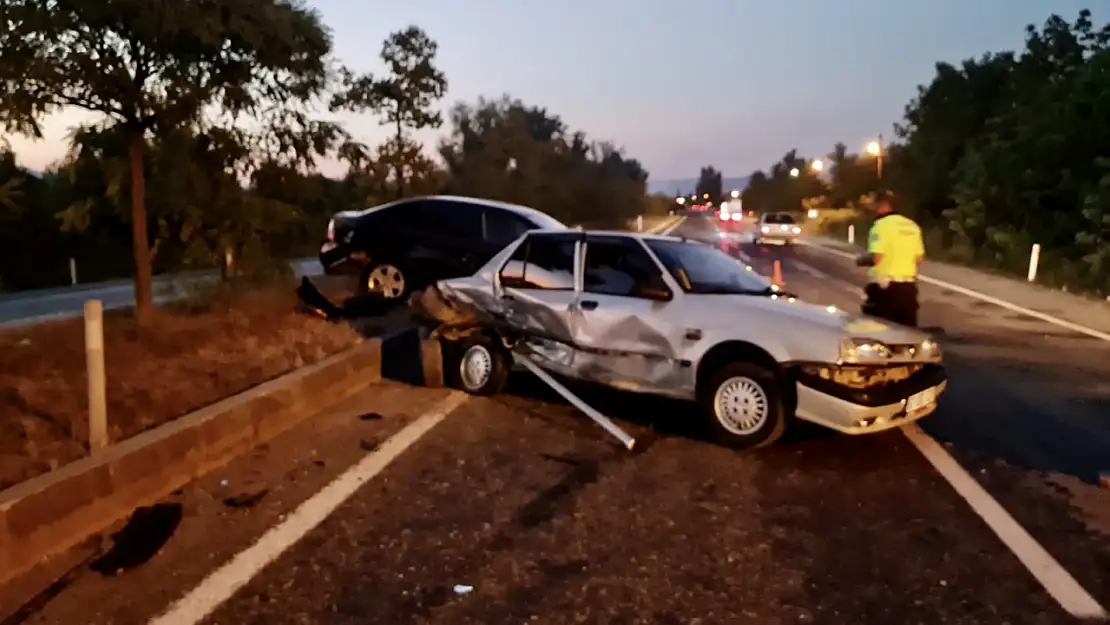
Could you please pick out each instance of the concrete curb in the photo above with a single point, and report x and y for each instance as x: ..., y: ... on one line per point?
x: 52, y: 513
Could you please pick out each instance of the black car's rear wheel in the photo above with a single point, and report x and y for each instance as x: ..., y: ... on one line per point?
x: 386, y: 279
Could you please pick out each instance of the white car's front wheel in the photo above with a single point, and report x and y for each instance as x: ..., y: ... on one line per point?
x: 743, y: 405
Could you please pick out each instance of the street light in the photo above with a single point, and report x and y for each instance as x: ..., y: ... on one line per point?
x: 817, y: 165
x: 875, y: 148
x: 735, y: 194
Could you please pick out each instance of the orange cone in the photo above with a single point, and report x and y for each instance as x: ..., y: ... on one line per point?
x: 776, y: 274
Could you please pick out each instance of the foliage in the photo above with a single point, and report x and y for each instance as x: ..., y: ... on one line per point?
x: 214, y: 107
x: 152, y: 68
x: 710, y: 187
x: 506, y: 150
x: 998, y: 153
x: 404, y: 100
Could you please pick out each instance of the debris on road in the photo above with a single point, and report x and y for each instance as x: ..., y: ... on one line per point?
x: 246, y: 500
x: 146, y: 531
x: 461, y: 589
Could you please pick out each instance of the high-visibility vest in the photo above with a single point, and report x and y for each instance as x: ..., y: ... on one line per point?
x: 897, y: 241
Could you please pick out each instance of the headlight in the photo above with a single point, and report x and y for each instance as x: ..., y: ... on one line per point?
x: 861, y: 351
x: 929, y: 349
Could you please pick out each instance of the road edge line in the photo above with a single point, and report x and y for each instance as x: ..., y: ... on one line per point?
x: 1053, y: 577
x: 222, y: 584
x: 990, y: 299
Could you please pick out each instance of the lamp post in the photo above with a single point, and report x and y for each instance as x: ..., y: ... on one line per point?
x: 875, y: 148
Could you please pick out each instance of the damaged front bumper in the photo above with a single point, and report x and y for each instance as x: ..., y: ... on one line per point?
x: 862, y: 400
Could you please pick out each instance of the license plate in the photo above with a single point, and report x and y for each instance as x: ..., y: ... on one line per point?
x: 327, y: 247
x: 922, y: 400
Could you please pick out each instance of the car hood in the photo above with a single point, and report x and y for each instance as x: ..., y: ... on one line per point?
x: 782, y: 313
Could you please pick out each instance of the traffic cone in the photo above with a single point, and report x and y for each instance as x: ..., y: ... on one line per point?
x: 776, y: 274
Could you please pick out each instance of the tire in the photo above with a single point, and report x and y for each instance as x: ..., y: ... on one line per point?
x: 478, y: 364
x: 759, y: 394
x: 394, y: 282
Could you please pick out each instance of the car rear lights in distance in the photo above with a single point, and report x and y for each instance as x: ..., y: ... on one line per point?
x: 723, y: 216
x: 737, y: 216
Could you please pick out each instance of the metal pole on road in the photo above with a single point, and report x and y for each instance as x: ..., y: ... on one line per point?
x: 1034, y: 260
x: 94, y: 359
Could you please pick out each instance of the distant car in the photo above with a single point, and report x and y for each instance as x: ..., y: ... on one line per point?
x: 667, y: 316
x: 406, y: 245
x: 777, y: 229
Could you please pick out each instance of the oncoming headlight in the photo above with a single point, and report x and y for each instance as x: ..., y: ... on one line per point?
x: 860, y: 351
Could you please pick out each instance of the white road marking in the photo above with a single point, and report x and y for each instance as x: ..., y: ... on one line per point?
x: 222, y: 583
x: 1052, y: 576
x: 1036, y: 314
x: 1055, y: 579
x: 674, y: 226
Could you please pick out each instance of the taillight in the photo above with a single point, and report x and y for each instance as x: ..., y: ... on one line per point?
x: 331, y: 229
x: 723, y: 216
x: 737, y: 217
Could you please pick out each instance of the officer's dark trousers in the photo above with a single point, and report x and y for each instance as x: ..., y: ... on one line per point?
x: 897, y: 302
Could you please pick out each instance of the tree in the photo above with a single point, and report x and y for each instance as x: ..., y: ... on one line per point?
x: 404, y: 98
x: 159, y: 66
x: 503, y: 149
x: 709, y: 183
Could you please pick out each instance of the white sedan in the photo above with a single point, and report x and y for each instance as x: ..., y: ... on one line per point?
x: 662, y: 315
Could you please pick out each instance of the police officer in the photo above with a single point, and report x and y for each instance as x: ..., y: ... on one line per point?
x: 895, y: 250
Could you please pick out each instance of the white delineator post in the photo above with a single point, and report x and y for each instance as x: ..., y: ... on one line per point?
x: 851, y: 234
x: 94, y: 362
x: 639, y: 223
x: 73, y: 270
x: 1034, y: 260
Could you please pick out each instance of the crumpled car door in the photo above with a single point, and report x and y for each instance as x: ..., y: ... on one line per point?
x: 537, y: 293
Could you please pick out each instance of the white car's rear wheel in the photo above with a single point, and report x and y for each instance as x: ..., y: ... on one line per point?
x: 481, y: 365
x: 743, y: 405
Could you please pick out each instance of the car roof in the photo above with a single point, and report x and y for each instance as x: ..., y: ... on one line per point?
x: 518, y: 209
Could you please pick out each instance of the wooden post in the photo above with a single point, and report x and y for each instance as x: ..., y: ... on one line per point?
x: 94, y: 361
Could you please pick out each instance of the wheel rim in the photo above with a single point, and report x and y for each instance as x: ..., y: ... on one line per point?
x: 387, y: 280
x: 476, y: 367
x: 741, y: 405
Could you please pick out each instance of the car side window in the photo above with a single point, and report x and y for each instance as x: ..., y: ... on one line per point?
x: 454, y: 219
x: 541, y: 262
x: 617, y: 266
x: 503, y: 227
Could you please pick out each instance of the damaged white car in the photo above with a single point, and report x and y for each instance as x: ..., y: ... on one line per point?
x: 666, y: 316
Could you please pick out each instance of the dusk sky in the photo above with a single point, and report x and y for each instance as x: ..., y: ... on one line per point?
x: 682, y: 83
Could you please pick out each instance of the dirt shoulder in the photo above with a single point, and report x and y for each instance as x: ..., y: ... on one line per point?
x: 185, y: 359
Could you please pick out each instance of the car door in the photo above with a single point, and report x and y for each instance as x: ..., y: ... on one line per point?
x: 626, y: 319
x: 445, y: 238
x: 536, y: 285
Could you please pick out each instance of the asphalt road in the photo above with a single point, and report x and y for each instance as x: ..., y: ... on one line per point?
x: 32, y: 306
x: 541, y: 518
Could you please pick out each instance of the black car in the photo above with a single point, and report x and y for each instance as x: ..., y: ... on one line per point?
x: 406, y: 245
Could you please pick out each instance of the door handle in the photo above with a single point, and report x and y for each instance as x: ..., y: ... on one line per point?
x: 587, y: 304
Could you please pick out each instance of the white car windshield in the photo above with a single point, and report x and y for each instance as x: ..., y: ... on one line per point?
x: 702, y: 269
